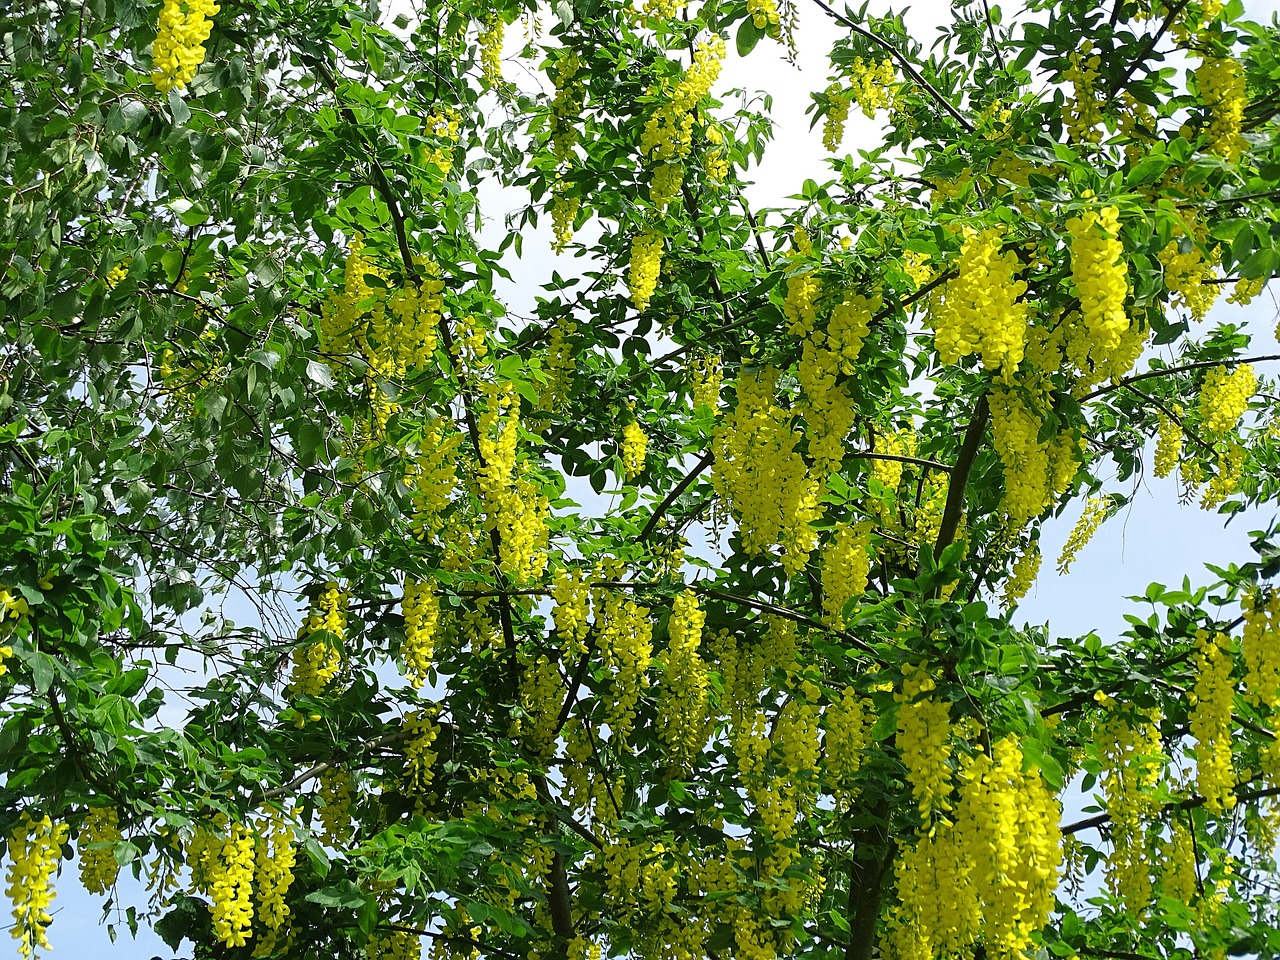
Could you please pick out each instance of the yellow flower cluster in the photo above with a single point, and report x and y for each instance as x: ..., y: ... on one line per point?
x: 1226, y: 481
x: 715, y: 162
x: 394, y: 330
x: 1260, y: 645
x: 1082, y: 112
x: 1221, y: 83
x: 432, y: 477
x: 116, y: 274
x: 421, y: 608
x: 873, y: 83
x: 1179, y: 880
x: 513, y: 504
x: 1029, y: 477
x: 848, y: 722
x: 888, y: 473
x: 541, y: 692
x: 11, y: 608
x: 846, y: 563
x: 665, y: 184
x: 978, y: 311
x: 632, y: 448
x: 564, y: 212
x: 492, y: 29
x: 848, y: 327
x: 1169, y: 442
x: 1245, y: 290
x: 1224, y: 397
x: 837, y: 113
x: 795, y: 738
x: 231, y: 887
x: 924, y: 733
x: 828, y: 407
x: 1096, y: 510
x: 800, y: 306
x: 34, y: 848
x: 763, y: 477
x: 96, y: 845
x: 419, y: 754
x: 991, y: 873
x: 316, y: 664
x: 704, y: 376
x: 178, y: 49
x: 668, y: 132
x: 407, y: 945
x: 682, y: 694
x: 570, y: 613
x: 626, y: 646
x: 1212, y: 701
x: 664, y: 9
x: 441, y: 124
x: 1100, y: 274
x: 558, y: 366
x: 1132, y: 760
x: 566, y: 107
x: 275, y: 856
x: 1186, y: 274
x: 764, y: 15
x: 335, y: 806
x: 645, y: 265
x: 1023, y: 575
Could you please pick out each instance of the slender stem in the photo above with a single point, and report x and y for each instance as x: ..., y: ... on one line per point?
x: 674, y: 495
x: 755, y: 232
x: 1164, y: 408
x: 288, y: 789
x: 906, y: 64
x: 954, y: 508
x: 1169, y: 371
x: 1190, y: 803
x: 917, y: 461
x: 1145, y: 52
x: 383, y: 186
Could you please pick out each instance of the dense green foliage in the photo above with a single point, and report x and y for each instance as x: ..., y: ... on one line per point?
x: 763, y: 694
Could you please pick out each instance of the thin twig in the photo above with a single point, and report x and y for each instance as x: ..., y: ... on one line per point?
x: 906, y: 64
x: 1168, y: 371
x: 671, y: 497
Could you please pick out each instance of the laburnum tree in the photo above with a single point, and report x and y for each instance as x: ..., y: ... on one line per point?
x: 305, y: 624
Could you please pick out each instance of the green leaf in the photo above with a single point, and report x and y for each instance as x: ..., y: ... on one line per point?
x: 748, y: 36
x: 344, y: 895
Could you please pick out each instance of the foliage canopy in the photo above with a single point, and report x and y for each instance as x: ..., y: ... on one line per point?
x: 761, y: 694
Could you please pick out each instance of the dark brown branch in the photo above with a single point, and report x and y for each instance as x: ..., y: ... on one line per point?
x: 674, y: 495
x: 288, y: 789
x: 383, y: 186
x: 1164, y: 408
x: 571, y: 697
x: 1190, y: 803
x: 1145, y: 52
x: 763, y: 606
x: 872, y: 857
x: 755, y: 232
x: 917, y: 461
x: 1169, y: 371
x: 903, y: 62
x: 954, y: 508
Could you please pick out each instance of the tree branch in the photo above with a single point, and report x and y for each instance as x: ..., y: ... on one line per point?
x: 954, y: 508
x: 684, y: 484
x: 907, y: 66
x: 1169, y: 371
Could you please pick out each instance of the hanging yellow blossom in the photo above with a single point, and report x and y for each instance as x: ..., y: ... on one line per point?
x: 178, y: 49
